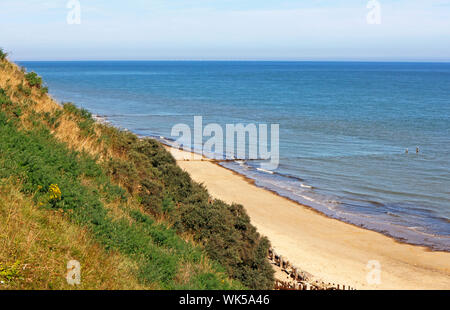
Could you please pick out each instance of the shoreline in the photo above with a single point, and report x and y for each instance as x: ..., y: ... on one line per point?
x: 330, y: 249
x: 385, y: 233
x: 403, y: 240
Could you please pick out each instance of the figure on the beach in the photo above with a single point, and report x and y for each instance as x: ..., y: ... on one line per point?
x: 417, y: 150
x: 406, y: 151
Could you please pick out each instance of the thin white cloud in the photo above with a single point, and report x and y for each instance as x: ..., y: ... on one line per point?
x: 151, y: 29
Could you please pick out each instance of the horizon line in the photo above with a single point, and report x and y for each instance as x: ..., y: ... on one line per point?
x: 240, y: 60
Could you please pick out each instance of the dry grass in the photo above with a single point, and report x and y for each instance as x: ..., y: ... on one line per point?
x: 11, y: 76
x: 44, y: 241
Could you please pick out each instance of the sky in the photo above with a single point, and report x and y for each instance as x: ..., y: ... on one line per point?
x: 404, y: 30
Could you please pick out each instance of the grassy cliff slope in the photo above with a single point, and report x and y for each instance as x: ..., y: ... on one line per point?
x: 71, y: 188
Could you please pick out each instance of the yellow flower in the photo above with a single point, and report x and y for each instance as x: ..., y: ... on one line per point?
x: 55, y: 192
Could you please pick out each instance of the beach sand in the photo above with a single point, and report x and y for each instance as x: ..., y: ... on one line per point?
x: 330, y: 250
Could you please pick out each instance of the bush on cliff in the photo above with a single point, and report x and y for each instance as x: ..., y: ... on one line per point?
x: 3, y: 54
x: 165, y: 189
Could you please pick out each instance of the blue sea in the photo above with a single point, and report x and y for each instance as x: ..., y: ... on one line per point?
x: 344, y: 128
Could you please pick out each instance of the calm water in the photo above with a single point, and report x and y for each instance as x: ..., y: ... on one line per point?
x: 344, y: 128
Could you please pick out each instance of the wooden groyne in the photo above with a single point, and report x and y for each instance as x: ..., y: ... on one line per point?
x: 298, y: 279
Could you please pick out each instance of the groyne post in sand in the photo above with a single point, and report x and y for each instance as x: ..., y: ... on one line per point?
x: 271, y: 254
x: 300, y: 280
x: 294, y: 273
x: 276, y: 258
x: 287, y: 264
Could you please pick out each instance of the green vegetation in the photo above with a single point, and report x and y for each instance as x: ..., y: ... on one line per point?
x: 151, y: 173
x: 25, y: 90
x: 83, y: 116
x: 3, y: 54
x: 72, y: 109
x: 36, y: 244
x: 35, y: 80
x: 53, y: 175
x: 10, y: 273
x: 130, y: 196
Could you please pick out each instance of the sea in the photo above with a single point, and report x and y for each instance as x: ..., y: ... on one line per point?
x: 344, y: 128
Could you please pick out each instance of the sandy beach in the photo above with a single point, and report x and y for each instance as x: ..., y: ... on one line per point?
x: 330, y: 250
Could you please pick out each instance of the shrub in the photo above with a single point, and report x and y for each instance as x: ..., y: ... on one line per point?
x: 44, y: 90
x: 17, y: 111
x: 69, y: 107
x: 86, y: 127
x: 4, y: 98
x: 3, y: 54
x: 52, y: 119
x: 33, y: 79
x: 163, y: 188
x: 23, y: 89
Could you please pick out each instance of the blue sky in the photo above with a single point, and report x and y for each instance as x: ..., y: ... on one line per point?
x: 226, y: 29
